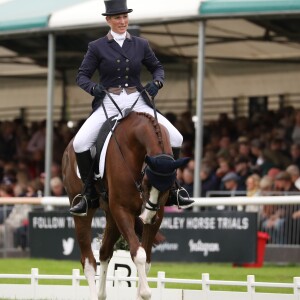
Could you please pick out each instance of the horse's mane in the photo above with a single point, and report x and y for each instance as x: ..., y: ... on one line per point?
x: 155, y: 125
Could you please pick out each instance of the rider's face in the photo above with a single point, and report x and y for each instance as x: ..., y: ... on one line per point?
x: 118, y: 23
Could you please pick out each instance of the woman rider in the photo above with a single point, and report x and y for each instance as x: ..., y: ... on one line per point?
x: 118, y: 57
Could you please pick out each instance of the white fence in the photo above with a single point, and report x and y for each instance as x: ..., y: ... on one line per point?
x: 35, y: 290
x: 202, y: 201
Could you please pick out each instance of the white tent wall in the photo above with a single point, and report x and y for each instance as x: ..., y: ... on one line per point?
x: 29, y: 93
x: 223, y: 82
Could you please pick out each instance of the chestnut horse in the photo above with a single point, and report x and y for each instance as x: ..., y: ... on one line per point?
x: 139, y: 171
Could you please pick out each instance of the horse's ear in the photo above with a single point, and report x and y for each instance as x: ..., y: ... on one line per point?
x: 181, y: 162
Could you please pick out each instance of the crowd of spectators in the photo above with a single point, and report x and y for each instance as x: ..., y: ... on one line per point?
x: 251, y: 156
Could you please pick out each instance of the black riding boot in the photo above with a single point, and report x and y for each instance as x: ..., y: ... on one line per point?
x: 178, y: 196
x: 89, y: 197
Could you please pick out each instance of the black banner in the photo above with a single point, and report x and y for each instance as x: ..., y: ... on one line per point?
x: 218, y: 236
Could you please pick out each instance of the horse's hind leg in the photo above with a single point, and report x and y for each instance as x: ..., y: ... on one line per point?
x: 83, y: 233
x: 111, y: 235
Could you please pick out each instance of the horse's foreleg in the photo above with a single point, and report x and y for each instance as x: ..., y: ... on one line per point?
x: 111, y: 235
x: 126, y: 223
x: 143, y: 291
x: 83, y: 233
x: 149, y: 213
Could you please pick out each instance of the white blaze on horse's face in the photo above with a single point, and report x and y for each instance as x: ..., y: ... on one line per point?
x: 147, y: 215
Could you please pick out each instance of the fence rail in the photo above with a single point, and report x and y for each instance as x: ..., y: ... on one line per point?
x: 36, y: 290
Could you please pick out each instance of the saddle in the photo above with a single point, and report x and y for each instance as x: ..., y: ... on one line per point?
x: 105, y: 133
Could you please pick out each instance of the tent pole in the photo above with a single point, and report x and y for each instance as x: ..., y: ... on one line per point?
x: 199, y: 110
x: 50, y: 100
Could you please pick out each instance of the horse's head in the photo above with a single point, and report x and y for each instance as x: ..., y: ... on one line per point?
x: 161, y: 170
x: 161, y: 175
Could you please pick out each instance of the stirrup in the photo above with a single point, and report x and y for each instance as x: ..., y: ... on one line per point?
x: 187, y: 200
x: 86, y: 205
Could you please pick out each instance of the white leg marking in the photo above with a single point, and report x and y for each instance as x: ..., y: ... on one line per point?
x: 90, y: 273
x: 143, y: 291
x: 103, y: 275
x: 147, y: 215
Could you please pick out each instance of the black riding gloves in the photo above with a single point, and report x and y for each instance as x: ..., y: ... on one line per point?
x: 98, y: 90
x: 153, y: 87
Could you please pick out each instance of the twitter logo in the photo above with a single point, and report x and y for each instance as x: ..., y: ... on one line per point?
x: 68, y: 246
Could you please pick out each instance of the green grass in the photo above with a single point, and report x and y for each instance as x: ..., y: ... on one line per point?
x: 217, y: 271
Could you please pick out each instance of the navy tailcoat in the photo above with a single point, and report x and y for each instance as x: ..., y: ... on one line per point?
x: 118, y: 66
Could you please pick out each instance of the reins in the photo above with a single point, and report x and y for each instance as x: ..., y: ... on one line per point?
x: 138, y: 184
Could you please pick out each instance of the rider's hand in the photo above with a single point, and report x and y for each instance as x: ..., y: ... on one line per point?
x: 98, y: 90
x: 153, y: 87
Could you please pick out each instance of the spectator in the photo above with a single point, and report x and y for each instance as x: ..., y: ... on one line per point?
x: 273, y: 172
x: 232, y: 185
x: 276, y: 155
x: 57, y: 187
x: 8, y: 142
x: 243, y: 170
x: 275, y: 223
x: 296, y: 128
x: 260, y: 164
x: 224, y: 166
x: 295, y: 154
x: 209, y: 180
x: 294, y: 172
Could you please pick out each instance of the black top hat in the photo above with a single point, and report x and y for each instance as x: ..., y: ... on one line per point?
x: 116, y: 7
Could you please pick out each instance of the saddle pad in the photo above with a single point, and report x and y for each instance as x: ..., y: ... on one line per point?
x: 103, y: 139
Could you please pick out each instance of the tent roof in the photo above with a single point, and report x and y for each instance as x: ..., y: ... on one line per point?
x: 89, y: 13
x: 29, y: 14
x: 230, y: 8
x: 170, y: 26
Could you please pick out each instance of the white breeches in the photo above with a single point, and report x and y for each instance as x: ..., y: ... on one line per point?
x: 88, y: 133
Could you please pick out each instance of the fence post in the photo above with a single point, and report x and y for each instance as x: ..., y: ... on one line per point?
x: 160, y: 284
x: 205, y: 285
x: 250, y: 286
x: 297, y: 288
x: 75, y: 282
x: 34, y: 281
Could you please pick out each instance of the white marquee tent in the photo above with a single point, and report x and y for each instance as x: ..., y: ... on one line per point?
x: 213, y: 29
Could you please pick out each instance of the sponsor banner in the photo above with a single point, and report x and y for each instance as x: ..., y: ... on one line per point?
x: 215, y: 236
x: 52, y: 235
x: 219, y: 236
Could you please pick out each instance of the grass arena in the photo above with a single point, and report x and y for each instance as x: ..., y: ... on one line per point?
x: 225, y: 279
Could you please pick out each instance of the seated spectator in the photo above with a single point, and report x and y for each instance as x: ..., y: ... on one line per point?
x: 261, y: 164
x: 224, y: 166
x: 253, y: 185
x: 275, y: 223
x: 294, y: 172
x: 276, y: 155
x: 57, y: 187
x: 295, y: 154
x: 296, y: 128
x: 273, y: 172
x: 17, y: 218
x: 233, y: 187
x: 6, y: 191
x: 209, y: 180
x: 243, y: 169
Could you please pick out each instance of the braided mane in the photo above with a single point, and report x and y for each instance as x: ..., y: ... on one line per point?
x: 155, y: 126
